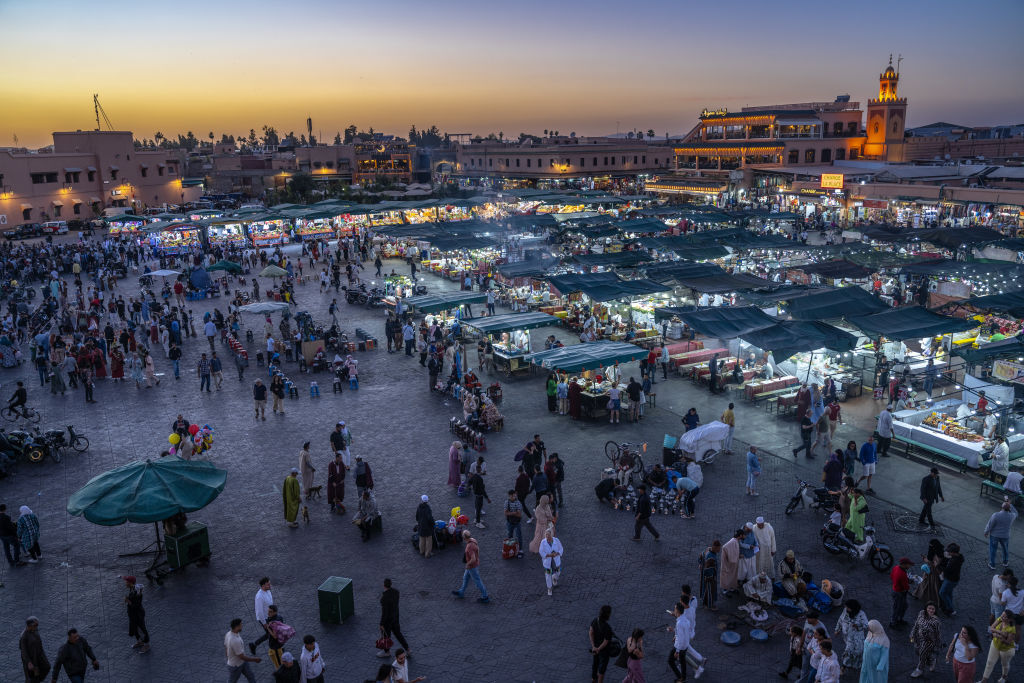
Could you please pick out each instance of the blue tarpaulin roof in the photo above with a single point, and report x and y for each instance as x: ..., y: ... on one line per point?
x: 832, y: 304
x: 909, y: 322
x: 591, y: 356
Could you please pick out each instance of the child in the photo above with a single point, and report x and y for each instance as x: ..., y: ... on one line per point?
x: 796, y: 639
x: 836, y: 517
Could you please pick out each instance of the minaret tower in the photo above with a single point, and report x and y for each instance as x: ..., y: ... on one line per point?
x: 887, y: 118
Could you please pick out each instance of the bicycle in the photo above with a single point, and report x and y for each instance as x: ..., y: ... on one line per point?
x: 12, y: 414
x: 627, y: 457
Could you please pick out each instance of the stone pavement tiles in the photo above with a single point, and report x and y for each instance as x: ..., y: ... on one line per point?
x: 523, y: 635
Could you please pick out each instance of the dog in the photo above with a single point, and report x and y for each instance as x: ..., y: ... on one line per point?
x: 314, y: 492
x: 305, y: 514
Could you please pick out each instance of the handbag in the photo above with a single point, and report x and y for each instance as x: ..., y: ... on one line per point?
x: 384, y: 642
x: 622, y: 660
x: 615, y: 647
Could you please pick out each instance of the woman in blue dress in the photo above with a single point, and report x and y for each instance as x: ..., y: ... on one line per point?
x: 875, y: 665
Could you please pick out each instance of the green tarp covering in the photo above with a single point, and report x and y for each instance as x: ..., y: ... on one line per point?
x: 495, y: 324
x: 832, y: 304
x: 591, y: 356
x: 910, y: 322
x: 148, y: 491
x: 435, y: 303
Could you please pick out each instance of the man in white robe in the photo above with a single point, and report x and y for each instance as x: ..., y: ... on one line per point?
x: 765, y: 535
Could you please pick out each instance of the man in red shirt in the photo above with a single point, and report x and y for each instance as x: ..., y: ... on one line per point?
x: 472, y: 556
x: 982, y: 403
x: 900, y: 588
x: 652, y: 363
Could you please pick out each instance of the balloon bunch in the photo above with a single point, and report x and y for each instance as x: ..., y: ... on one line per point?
x: 457, y: 519
x: 201, y: 437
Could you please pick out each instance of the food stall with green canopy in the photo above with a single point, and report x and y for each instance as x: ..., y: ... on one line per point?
x: 175, y: 238
x: 155, y: 491
x: 226, y: 232
x: 267, y: 229
x: 444, y: 302
x: 594, y: 367
x: 124, y: 224
x: 509, y: 335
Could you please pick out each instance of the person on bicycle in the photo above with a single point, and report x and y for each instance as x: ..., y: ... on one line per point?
x: 19, y: 400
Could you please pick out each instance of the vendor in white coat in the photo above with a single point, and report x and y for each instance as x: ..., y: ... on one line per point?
x: 765, y: 535
x: 991, y: 422
x: 551, y: 557
x: 963, y: 412
x: 1000, y: 460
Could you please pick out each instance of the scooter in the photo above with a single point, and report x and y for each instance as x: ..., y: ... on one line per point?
x: 836, y: 541
x: 54, y: 438
x: 811, y: 497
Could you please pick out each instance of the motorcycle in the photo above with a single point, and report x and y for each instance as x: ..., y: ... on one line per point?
x: 54, y: 438
x: 836, y: 541
x: 27, y: 445
x: 812, y: 497
x: 356, y: 295
x: 375, y: 298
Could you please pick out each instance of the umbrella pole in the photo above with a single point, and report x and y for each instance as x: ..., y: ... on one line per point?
x: 148, y: 549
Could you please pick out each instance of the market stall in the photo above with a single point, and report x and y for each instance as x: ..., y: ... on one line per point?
x: 315, y: 225
x: 125, y: 224
x: 444, y: 302
x: 938, y: 428
x: 266, y: 231
x: 175, y: 238
x: 226, y: 233
x: 598, y: 365
x: 510, y: 337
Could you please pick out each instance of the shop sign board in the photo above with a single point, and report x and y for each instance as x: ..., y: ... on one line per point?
x: 832, y: 181
x: 1008, y: 371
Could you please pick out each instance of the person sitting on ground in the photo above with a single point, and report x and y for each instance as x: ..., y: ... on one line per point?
x: 657, y: 478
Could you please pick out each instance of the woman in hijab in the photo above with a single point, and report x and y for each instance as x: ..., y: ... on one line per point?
x: 28, y: 533
x: 543, y: 517
x: 136, y: 370
x: 551, y: 557
x: 933, y: 559
x: 454, y: 464
x: 150, y: 370
x: 117, y: 363
x: 925, y: 636
x: 853, y: 627
x: 730, y: 561
x: 874, y: 667
x: 575, y: 399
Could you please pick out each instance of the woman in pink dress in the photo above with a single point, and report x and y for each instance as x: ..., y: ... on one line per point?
x: 117, y: 363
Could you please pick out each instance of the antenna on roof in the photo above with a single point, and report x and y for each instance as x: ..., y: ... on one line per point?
x: 898, y: 60
x: 98, y: 108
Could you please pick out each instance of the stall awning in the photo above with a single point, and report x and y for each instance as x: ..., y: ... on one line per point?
x: 1009, y: 302
x: 717, y: 284
x: 669, y: 312
x: 574, y: 282
x: 642, y: 225
x: 619, y: 259
x: 455, y: 243
x: 540, y: 220
x: 727, y: 322
x: 495, y: 324
x: 678, y: 270
x: 908, y: 322
x: 57, y: 202
x: 951, y: 238
x: 25, y: 205
x: 527, y: 268
x: 591, y: 356
x: 1007, y: 348
x: 836, y: 269
x: 831, y: 304
x: 785, y: 338
x: 625, y: 289
x: 94, y: 200
x: 950, y: 267
x: 435, y: 303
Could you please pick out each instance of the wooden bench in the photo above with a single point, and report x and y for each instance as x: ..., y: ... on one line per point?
x: 990, y: 488
x: 932, y: 454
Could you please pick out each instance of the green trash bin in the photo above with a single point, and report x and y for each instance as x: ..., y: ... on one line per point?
x: 336, y: 601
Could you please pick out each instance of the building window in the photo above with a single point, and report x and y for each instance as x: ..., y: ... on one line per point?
x: 853, y: 153
x: 643, y: 159
x: 77, y: 209
x: 26, y: 214
x: 38, y: 178
x: 329, y: 164
x: 623, y: 161
x: 809, y: 156
x: 794, y: 156
x: 145, y: 172
x: 634, y: 159
x: 826, y: 156
x: 595, y: 161
x: 490, y: 162
x: 583, y: 162
x: 528, y: 163
x: 172, y: 170
x: 159, y: 170
x: 517, y: 163
x: 552, y: 163
x: 113, y: 174
x: 840, y: 154
x: 851, y: 128
x: 92, y: 176
x: 57, y: 210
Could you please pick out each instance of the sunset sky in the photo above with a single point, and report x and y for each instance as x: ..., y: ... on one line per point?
x: 479, y: 67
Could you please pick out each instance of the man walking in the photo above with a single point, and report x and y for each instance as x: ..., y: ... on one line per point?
x: 514, y: 519
x: 264, y: 599
x: 217, y: 370
x: 210, y: 328
x: 389, y: 618
x: 680, y: 642
x: 234, y: 650
x: 34, y: 663
x: 753, y: 471
x: 900, y: 588
x: 311, y: 663
x: 931, y: 493
x: 472, y: 571
x: 476, y: 483
x: 868, y: 459
x: 72, y: 657
x: 997, y: 531
x: 490, y: 302
x: 729, y: 418
x: 643, y: 515
x: 175, y: 357
x: 203, y: 370
x: 9, y: 537
x: 259, y: 396
x: 885, y: 431
x: 806, y: 431
x: 409, y: 337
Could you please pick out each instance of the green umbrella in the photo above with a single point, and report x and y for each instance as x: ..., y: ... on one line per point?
x: 229, y: 266
x: 148, y: 491
x: 273, y: 271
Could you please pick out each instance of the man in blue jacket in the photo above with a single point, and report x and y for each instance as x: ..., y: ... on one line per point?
x: 868, y: 458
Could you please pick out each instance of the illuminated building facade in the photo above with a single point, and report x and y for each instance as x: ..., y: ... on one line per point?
x: 887, y: 119
x: 83, y: 173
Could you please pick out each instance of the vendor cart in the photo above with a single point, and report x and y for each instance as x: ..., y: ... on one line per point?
x: 704, y: 443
